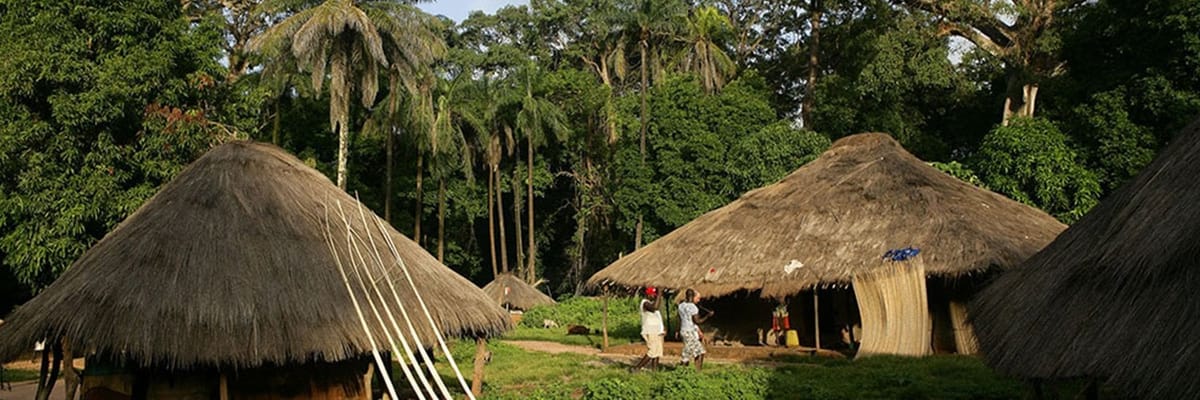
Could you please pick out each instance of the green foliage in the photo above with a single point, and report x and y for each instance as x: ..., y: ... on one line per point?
x: 773, y: 152
x: 962, y: 172
x: 102, y: 102
x: 623, y: 319
x: 1030, y: 161
x: 688, y: 166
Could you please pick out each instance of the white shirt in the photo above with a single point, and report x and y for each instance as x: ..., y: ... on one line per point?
x: 652, y: 323
x: 686, y: 311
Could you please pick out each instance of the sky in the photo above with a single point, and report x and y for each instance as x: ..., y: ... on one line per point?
x: 457, y: 10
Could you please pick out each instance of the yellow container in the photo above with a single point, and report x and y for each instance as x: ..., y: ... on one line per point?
x: 793, y: 340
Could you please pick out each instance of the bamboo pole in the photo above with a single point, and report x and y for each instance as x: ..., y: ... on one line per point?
x: 416, y: 366
x: 354, y: 300
x: 433, y: 325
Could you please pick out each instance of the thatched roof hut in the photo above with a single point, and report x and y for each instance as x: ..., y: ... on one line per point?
x: 512, y: 292
x: 228, y: 266
x: 832, y: 220
x: 1114, y: 296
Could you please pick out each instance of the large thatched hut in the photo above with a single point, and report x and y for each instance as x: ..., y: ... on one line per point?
x: 826, y: 227
x: 225, y: 281
x: 1114, y: 296
x: 514, y: 294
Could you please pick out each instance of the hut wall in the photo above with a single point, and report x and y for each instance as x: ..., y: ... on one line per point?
x: 344, y: 380
x: 745, y: 317
x: 893, y: 304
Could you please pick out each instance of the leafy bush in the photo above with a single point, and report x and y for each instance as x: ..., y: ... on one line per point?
x: 623, y: 319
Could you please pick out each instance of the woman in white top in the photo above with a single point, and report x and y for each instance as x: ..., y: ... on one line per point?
x: 689, y: 320
x: 652, y: 329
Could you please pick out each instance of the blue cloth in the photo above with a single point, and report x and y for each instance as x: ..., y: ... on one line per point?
x: 901, y: 254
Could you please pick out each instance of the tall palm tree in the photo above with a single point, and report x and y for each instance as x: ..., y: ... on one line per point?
x: 537, y: 117
x: 651, y: 22
x: 495, y: 140
x: 450, y: 151
x: 702, y: 53
x: 345, y: 40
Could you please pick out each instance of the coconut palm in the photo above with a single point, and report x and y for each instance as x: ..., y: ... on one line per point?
x: 343, y: 40
x: 702, y: 54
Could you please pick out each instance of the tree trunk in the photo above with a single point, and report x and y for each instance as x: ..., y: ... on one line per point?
x: 530, y: 270
x: 420, y: 198
x: 500, y: 219
x: 343, y: 147
x: 814, y: 51
x: 1020, y: 100
x: 51, y: 379
x: 491, y: 222
x: 520, y: 250
x: 480, y: 359
x: 645, y: 92
x: 442, y: 220
x: 637, y: 236
x: 393, y: 100
x: 70, y: 375
x: 275, y: 122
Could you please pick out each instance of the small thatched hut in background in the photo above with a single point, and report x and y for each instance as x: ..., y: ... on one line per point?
x: 827, y: 226
x: 224, y: 282
x: 512, y: 293
x: 1114, y: 297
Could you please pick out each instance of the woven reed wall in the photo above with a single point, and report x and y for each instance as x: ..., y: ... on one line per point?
x: 964, y: 333
x: 893, y: 304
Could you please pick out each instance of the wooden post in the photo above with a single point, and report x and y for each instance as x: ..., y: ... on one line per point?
x: 480, y: 359
x: 70, y: 374
x: 224, y: 387
x: 604, y: 324
x: 816, y: 320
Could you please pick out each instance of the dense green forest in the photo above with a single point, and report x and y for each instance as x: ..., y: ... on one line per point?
x: 549, y: 139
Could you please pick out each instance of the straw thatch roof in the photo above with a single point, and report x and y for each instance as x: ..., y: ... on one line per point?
x: 834, y: 218
x: 520, y: 295
x: 228, y: 264
x: 1114, y: 296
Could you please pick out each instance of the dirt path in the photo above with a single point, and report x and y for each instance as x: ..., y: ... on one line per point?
x: 630, y: 353
x: 28, y: 389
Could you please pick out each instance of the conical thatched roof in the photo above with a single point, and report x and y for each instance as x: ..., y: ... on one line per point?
x: 834, y: 218
x: 228, y: 264
x: 519, y: 296
x: 1115, y: 295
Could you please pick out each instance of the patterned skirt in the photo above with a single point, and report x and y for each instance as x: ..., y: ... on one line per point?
x: 692, y: 347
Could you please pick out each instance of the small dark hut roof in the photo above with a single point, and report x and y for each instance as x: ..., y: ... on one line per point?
x: 836, y: 216
x: 1115, y: 295
x: 228, y: 264
x: 520, y: 295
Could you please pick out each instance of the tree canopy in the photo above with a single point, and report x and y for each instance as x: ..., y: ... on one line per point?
x: 553, y: 136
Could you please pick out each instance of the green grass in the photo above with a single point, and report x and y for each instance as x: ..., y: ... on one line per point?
x: 624, y: 324
x: 519, y: 374
x: 20, y: 375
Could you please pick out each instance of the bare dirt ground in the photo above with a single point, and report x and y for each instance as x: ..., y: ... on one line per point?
x: 630, y: 353
x: 28, y: 389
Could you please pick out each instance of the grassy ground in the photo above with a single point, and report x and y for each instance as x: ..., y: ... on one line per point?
x: 560, y: 336
x: 19, y: 375
x: 518, y: 374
